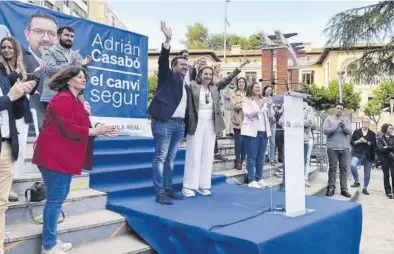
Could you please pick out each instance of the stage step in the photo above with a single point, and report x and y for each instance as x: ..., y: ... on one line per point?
x: 78, y: 229
x: 125, y: 244
x: 226, y: 145
x: 78, y: 202
x: 20, y: 184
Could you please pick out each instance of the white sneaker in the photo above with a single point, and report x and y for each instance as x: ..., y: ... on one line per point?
x: 13, y: 197
x: 188, y: 193
x: 54, y: 250
x: 262, y: 184
x: 64, y: 246
x: 307, y: 184
x: 204, y: 192
x: 254, y: 184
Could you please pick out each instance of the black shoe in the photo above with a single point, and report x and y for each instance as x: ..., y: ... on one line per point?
x: 346, y: 194
x: 163, y: 199
x: 173, y: 195
x: 220, y: 157
x: 330, y: 192
x: 365, y: 192
x: 355, y: 185
x: 238, y: 165
x: 389, y: 195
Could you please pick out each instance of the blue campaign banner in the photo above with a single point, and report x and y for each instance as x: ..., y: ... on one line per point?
x: 117, y: 88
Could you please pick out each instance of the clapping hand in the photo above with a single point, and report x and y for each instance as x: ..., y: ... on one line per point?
x: 167, y: 31
x: 87, y: 60
x: 75, y: 55
x: 87, y: 107
x: 40, y: 67
x: 107, y: 130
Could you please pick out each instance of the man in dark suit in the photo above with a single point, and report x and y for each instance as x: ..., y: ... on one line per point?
x: 41, y: 33
x: 9, y: 146
x: 168, y: 111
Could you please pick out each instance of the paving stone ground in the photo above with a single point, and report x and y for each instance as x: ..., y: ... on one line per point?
x: 378, y: 218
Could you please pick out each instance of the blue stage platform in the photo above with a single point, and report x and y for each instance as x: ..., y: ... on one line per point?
x: 122, y: 168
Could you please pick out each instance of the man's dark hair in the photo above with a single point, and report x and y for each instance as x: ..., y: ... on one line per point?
x: 61, y: 29
x: 174, y: 61
x: 183, y: 51
x: 40, y: 15
x: 338, y: 103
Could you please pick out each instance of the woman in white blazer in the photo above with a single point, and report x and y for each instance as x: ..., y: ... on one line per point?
x: 256, y: 131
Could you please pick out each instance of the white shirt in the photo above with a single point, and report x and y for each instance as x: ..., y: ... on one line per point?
x: 180, y: 111
x: 39, y: 61
x: 262, y: 124
x: 4, y: 121
x: 205, y: 110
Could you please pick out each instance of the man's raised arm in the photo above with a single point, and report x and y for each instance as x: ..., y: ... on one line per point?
x: 164, y: 61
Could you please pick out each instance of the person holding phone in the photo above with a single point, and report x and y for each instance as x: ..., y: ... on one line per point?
x: 363, y: 144
x: 12, y: 65
x: 9, y: 146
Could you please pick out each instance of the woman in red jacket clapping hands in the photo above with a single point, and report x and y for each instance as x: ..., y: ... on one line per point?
x: 61, y: 149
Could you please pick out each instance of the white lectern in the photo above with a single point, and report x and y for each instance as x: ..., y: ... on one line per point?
x: 293, y: 125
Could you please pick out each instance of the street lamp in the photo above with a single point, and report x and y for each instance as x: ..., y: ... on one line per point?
x: 391, y: 105
x: 341, y: 76
x: 225, y: 29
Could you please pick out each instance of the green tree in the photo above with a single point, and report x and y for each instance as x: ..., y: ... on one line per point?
x: 380, y: 101
x: 383, y: 93
x: 254, y: 42
x: 368, y: 25
x: 324, y: 98
x: 197, y: 37
x: 152, y: 87
x: 374, y: 110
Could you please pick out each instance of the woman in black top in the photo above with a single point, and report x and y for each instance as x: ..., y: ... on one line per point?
x: 386, y: 155
x: 363, y: 152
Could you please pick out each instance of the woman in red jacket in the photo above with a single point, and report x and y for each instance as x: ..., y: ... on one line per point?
x: 61, y: 148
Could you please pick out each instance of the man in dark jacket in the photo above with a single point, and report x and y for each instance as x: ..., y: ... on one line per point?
x: 9, y: 147
x: 168, y: 111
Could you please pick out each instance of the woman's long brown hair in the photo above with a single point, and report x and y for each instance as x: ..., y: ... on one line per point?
x: 17, y: 59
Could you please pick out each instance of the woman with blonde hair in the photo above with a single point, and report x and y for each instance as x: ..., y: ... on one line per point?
x: 217, y: 75
x: 256, y: 131
x: 203, y: 121
x: 11, y: 64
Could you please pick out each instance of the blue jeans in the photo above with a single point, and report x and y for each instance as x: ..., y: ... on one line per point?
x: 168, y: 136
x: 58, y: 187
x: 356, y: 161
x: 240, y: 150
x: 255, y: 150
x: 272, y: 142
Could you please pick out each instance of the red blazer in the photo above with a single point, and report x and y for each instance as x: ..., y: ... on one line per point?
x: 64, y: 138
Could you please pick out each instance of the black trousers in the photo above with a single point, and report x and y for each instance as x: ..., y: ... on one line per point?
x: 216, y: 151
x: 388, y: 169
x: 280, y: 144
